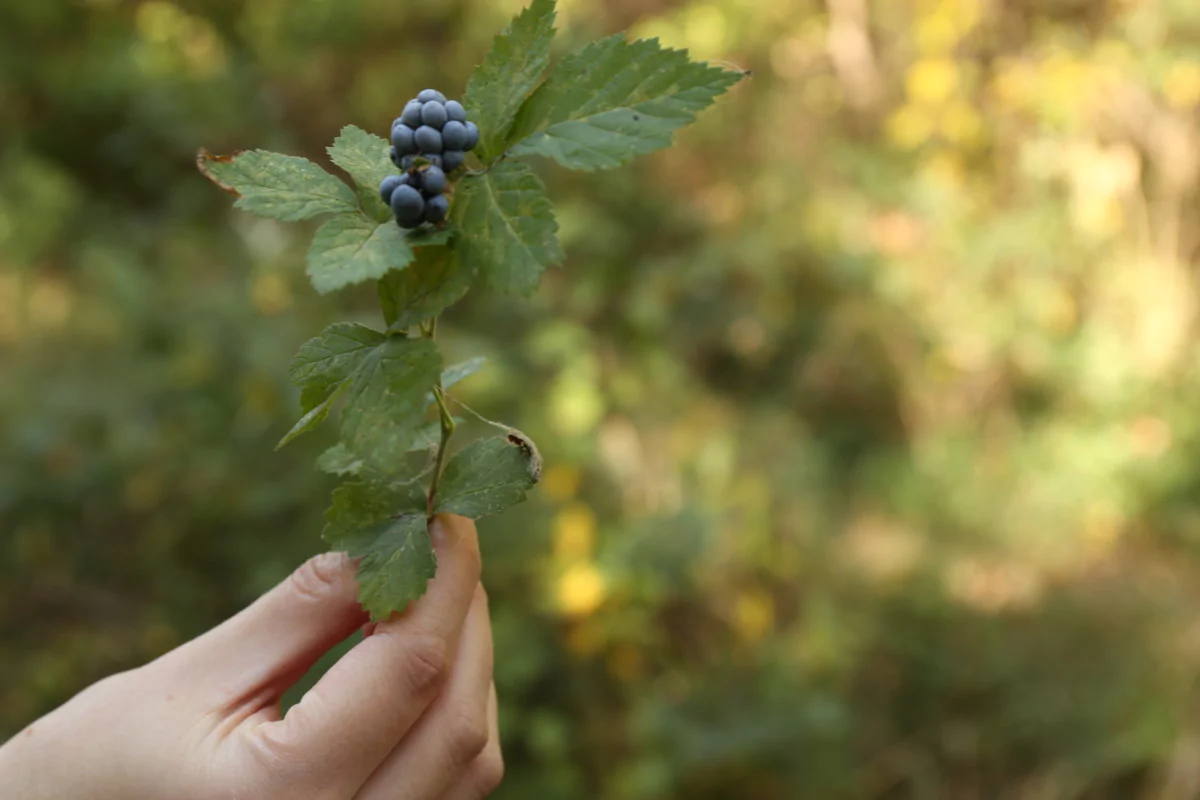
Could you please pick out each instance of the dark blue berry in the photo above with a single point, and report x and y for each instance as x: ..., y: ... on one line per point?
x: 436, y: 208
x: 395, y: 156
x: 453, y: 159
x: 435, y: 160
x: 406, y: 163
x: 428, y: 140
x: 472, y: 136
x: 389, y: 185
x: 455, y: 111
x: 454, y: 135
x: 412, y: 114
x: 403, y: 140
x: 431, y: 95
x: 408, y: 205
x: 433, y: 181
x: 433, y: 114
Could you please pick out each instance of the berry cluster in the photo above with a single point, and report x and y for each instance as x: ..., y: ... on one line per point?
x: 436, y: 130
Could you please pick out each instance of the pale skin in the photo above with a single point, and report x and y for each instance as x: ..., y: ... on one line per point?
x: 408, y: 714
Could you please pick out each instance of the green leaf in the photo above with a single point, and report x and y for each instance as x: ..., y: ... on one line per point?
x: 353, y: 248
x: 507, y: 230
x: 283, y: 187
x: 425, y: 236
x: 615, y: 100
x: 332, y: 357
x: 315, y: 416
x: 463, y: 369
x: 499, y: 85
x: 386, y: 401
x: 322, y: 370
x: 385, y: 380
x: 457, y: 372
x: 385, y: 528
x: 339, y: 460
x: 435, y: 280
x: 488, y: 476
x: 365, y: 156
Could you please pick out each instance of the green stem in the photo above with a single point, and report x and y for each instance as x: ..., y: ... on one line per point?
x: 445, y: 418
x: 447, y: 422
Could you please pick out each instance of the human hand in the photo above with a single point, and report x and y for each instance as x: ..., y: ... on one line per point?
x: 409, y: 713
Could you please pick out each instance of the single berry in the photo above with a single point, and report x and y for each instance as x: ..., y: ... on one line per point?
x: 428, y: 140
x: 403, y: 140
x: 433, y: 180
x: 436, y: 208
x: 389, y: 185
x: 412, y: 114
x: 433, y: 114
x: 408, y: 205
x: 431, y: 95
x: 455, y: 111
x: 453, y: 159
x: 454, y: 135
x: 395, y: 156
x: 433, y: 159
x: 472, y: 136
x: 406, y: 163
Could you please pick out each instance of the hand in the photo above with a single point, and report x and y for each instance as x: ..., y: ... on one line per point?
x: 409, y: 713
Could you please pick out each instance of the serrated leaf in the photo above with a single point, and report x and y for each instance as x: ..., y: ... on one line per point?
x: 507, y: 230
x: 332, y: 357
x: 487, y: 476
x: 273, y: 185
x: 365, y: 156
x: 339, y: 460
x: 435, y: 280
x: 386, y: 401
x: 385, y: 528
x: 509, y: 72
x: 385, y: 380
x: 352, y: 248
x: 322, y: 370
x: 615, y: 100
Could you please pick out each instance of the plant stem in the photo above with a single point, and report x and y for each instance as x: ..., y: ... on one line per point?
x: 447, y: 422
x: 445, y: 418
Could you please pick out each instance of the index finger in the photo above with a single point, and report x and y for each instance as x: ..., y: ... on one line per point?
x: 346, y: 725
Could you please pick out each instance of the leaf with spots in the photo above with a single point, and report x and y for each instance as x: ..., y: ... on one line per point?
x: 488, y: 476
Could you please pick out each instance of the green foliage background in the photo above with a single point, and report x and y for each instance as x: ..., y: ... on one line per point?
x: 869, y: 409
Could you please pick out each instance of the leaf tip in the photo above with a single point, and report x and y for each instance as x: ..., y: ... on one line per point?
x: 526, y: 446
x: 204, y: 158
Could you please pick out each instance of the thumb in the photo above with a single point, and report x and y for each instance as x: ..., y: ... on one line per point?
x: 274, y: 641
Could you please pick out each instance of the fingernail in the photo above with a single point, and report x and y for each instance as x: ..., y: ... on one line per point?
x: 438, y: 533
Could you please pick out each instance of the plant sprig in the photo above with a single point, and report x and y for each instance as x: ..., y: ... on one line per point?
x: 596, y: 109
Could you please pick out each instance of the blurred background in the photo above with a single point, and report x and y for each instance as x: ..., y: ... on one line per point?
x: 871, y: 410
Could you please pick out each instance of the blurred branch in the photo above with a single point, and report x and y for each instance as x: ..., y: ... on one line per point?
x: 850, y: 49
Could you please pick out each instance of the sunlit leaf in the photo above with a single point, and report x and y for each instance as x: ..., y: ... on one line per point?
x: 283, y: 187
x: 615, y: 100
